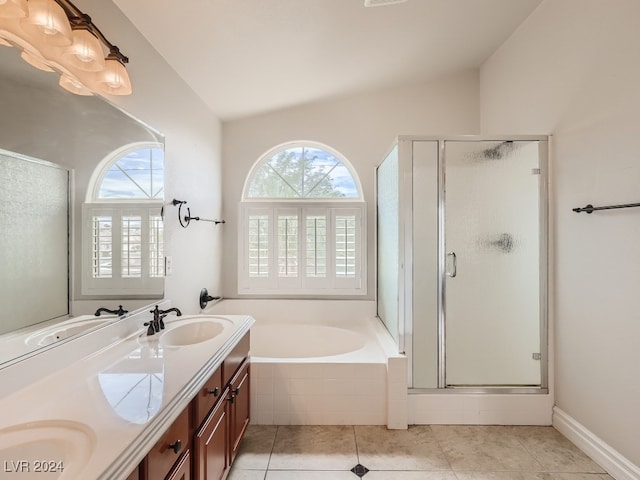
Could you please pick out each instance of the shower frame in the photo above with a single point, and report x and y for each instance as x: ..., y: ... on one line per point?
x: 405, y: 243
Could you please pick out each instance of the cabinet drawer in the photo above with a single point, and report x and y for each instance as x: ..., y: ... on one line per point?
x: 207, y: 397
x: 235, y: 359
x: 167, y: 451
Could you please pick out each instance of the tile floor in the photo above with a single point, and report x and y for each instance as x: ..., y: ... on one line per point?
x: 436, y: 452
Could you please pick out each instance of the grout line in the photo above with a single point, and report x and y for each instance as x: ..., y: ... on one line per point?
x: 446, y: 457
x: 273, y: 445
x: 535, y: 458
x: 355, y: 440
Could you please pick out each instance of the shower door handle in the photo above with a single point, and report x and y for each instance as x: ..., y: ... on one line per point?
x: 451, y: 267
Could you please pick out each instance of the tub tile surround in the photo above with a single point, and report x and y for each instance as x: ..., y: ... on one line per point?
x: 331, y: 394
x: 81, y: 380
x: 442, y: 452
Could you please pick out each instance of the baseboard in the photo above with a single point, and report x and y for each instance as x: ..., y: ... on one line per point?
x: 603, y: 454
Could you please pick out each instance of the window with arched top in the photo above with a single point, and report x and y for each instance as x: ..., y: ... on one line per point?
x: 302, y: 228
x: 302, y: 171
x: 123, y: 237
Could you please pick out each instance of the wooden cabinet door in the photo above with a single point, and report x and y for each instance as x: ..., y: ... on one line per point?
x: 182, y: 469
x: 239, y: 408
x: 164, y: 455
x: 211, y: 445
x: 209, y: 394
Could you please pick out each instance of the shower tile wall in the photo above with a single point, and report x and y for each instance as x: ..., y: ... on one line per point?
x: 319, y: 394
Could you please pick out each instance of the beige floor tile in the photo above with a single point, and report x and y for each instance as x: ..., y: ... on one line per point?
x: 580, y: 476
x: 310, y: 475
x: 256, y: 447
x: 484, y: 448
x: 237, y: 474
x: 412, y: 449
x: 314, y: 448
x: 405, y: 475
x: 503, y: 476
x: 554, y: 451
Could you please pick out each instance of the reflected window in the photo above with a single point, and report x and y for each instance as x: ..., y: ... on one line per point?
x: 123, y: 244
x: 138, y: 174
x: 134, y: 386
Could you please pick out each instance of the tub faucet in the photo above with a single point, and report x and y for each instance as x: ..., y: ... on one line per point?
x: 157, y: 323
x: 119, y: 312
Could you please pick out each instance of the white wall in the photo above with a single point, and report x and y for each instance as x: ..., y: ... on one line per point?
x: 361, y: 127
x: 572, y: 70
x: 192, y: 156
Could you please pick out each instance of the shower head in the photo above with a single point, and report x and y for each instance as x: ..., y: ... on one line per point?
x: 499, y: 151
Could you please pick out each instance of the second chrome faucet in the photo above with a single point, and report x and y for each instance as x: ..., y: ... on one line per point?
x: 157, y: 323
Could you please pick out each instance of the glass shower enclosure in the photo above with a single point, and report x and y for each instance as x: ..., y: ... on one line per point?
x: 462, y: 260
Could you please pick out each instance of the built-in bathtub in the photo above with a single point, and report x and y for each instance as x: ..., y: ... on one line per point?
x: 322, y: 362
x: 311, y: 374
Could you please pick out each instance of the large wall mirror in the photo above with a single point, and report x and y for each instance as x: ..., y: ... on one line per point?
x: 53, y: 142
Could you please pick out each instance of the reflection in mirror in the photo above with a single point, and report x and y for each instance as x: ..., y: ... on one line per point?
x: 42, y: 121
x: 133, y: 387
x: 34, y: 215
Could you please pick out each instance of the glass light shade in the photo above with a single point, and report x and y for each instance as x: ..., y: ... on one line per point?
x: 35, y: 61
x: 85, y: 53
x: 13, y: 8
x: 74, y: 86
x: 114, y: 79
x: 47, y: 23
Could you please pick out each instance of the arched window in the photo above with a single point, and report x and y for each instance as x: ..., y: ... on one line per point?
x: 123, y: 241
x: 302, y: 171
x: 302, y: 225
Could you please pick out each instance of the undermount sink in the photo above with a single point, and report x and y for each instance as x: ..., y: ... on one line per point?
x: 64, y: 331
x: 193, y: 331
x: 48, y: 449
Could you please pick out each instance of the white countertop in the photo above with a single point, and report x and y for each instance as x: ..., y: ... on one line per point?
x: 117, y: 401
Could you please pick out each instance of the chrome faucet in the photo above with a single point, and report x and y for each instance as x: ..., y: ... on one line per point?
x: 157, y: 323
x: 119, y: 312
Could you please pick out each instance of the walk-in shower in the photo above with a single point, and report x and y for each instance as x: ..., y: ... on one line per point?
x: 462, y: 260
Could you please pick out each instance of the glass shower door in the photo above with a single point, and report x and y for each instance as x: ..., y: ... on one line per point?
x: 492, y: 318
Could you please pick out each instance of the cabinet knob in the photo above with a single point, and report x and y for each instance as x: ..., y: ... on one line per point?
x: 176, y: 446
x: 236, y: 391
x: 232, y: 399
x: 215, y: 392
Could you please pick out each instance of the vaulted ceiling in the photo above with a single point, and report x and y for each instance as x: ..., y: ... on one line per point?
x: 245, y: 57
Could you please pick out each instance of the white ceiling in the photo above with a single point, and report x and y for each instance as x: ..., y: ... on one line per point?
x: 245, y: 57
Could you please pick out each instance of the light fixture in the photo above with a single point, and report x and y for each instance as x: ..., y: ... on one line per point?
x: 85, y: 52
x: 73, y: 85
x: 36, y: 61
x: 13, y: 8
x: 114, y: 79
x: 47, y: 22
x: 55, y: 35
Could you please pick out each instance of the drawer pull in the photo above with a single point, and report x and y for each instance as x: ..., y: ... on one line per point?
x: 176, y: 446
x: 215, y: 392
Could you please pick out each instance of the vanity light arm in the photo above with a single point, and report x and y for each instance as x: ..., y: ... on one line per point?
x: 77, y: 17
